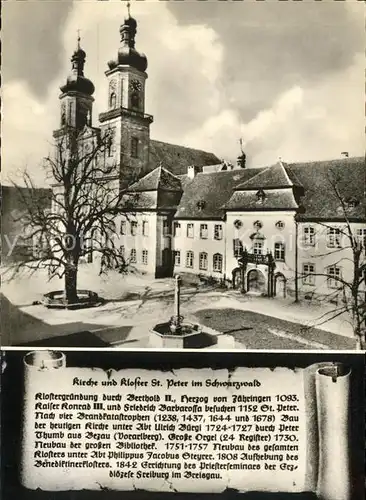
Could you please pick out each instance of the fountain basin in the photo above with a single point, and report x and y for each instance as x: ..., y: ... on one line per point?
x: 190, y: 336
x: 56, y: 299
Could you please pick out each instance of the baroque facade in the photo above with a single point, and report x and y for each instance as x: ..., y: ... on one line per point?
x: 270, y: 230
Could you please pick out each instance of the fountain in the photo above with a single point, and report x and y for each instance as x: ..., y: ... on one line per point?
x: 177, y: 333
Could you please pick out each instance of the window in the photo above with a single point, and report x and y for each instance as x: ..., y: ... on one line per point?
x: 177, y: 229
x: 111, y: 145
x: 218, y: 232
x: 279, y: 251
x: 112, y: 100
x: 257, y: 225
x: 237, y: 247
x: 122, y: 228
x: 203, y: 231
x: 166, y: 228
x: 189, y: 259
x: 122, y: 251
x: 177, y: 257
x: 309, y: 236
x: 133, y: 227
x: 361, y: 236
x: 334, y: 275
x: 133, y: 258
x: 134, y: 147
x: 308, y: 271
x: 135, y: 100
x: 190, y: 230
x: 203, y: 261
x: 217, y: 262
x: 333, y: 237
x: 145, y: 228
x: 144, y: 257
x: 258, y: 247
x: 280, y: 224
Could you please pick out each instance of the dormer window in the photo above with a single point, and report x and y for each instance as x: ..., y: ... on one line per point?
x: 201, y: 205
x: 238, y: 224
x: 261, y: 196
x: 352, y: 202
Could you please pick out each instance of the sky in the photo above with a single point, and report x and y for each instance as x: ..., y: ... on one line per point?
x: 285, y: 77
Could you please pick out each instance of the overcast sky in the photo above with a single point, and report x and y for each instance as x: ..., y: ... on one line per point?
x: 286, y: 77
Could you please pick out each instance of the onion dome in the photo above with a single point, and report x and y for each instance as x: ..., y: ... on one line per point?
x: 76, y: 81
x: 127, y: 54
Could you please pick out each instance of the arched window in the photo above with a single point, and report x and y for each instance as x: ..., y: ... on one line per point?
x: 189, y: 259
x: 217, y: 262
x: 203, y: 261
x: 112, y: 100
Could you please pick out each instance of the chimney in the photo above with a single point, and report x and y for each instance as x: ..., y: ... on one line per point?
x: 345, y: 154
x: 191, y: 172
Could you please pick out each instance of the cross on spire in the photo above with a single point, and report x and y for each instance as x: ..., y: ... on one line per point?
x: 128, y: 8
x: 79, y: 38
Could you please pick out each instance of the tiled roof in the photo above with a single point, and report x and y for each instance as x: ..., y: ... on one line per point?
x: 213, y: 189
x: 160, y: 178
x: 279, y: 199
x: 158, y: 190
x: 319, y: 200
x: 177, y: 159
x: 272, y: 177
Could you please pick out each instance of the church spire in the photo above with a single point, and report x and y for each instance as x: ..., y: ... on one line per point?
x: 127, y: 54
x: 76, y: 81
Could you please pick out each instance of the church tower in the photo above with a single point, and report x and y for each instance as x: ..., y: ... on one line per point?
x: 76, y: 96
x: 125, y: 116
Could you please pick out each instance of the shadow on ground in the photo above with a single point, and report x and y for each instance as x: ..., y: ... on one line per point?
x: 21, y: 328
x: 256, y: 331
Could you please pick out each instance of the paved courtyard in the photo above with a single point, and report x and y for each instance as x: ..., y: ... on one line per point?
x: 135, y: 303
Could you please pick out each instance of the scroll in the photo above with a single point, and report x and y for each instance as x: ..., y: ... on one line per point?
x: 203, y: 430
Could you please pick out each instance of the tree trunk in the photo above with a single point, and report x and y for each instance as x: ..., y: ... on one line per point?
x: 71, y: 273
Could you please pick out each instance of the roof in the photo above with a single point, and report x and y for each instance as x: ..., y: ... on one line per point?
x: 158, y: 190
x: 18, y: 198
x: 281, y: 199
x: 177, y: 159
x: 160, y: 178
x: 213, y: 189
x: 272, y: 177
x: 318, y: 179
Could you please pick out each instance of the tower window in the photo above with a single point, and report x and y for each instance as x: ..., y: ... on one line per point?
x: 135, y: 100
x: 112, y: 100
x: 134, y: 147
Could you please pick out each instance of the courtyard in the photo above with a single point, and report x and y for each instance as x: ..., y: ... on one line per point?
x: 134, y: 303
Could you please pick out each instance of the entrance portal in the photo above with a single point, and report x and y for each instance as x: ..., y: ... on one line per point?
x: 280, y: 285
x: 256, y: 281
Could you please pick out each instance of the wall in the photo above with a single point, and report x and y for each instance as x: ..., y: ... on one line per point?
x: 322, y: 257
x: 197, y: 245
x: 271, y: 234
x: 139, y: 242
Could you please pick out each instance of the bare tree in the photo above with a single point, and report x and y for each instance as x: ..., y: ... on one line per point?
x: 88, y: 192
x: 348, y: 292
